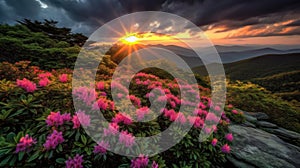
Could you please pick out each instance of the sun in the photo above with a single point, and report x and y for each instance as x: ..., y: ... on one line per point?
x: 130, y: 39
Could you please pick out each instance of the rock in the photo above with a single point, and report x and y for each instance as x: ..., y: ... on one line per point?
x: 248, y: 124
x: 237, y: 163
x: 258, y: 115
x: 250, y: 118
x: 262, y: 149
x: 287, y: 135
x: 266, y: 124
x: 261, y: 116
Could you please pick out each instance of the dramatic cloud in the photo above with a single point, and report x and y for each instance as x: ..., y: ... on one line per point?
x: 242, y: 16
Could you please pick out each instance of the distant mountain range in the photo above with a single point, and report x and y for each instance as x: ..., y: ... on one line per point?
x: 228, y: 54
x: 258, y: 67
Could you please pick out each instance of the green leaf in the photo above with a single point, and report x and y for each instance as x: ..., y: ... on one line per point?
x: 20, y: 155
x: 5, y: 161
x: 60, y: 160
x: 83, y: 139
x: 33, y: 157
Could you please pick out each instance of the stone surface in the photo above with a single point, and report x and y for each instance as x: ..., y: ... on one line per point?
x: 261, y: 116
x: 238, y: 163
x: 287, y: 135
x: 248, y: 124
x: 266, y: 124
x: 262, y: 149
x: 250, y: 118
x: 258, y: 115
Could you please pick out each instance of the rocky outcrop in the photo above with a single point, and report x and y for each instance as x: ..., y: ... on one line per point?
x: 259, y: 143
x: 253, y: 147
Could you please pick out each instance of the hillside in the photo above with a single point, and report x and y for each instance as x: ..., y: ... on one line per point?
x: 263, y: 66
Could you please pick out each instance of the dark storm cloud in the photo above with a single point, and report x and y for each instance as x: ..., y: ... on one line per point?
x: 25, y: 8
x: 87, y: 15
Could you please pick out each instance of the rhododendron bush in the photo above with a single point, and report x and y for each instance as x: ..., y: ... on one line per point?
x: 40, y: 127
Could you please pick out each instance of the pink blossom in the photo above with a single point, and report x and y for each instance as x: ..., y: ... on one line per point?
x: 76, y: 162
x: 101, y: 147
x: 217, y: 108
x: 85, y: 94
x: 142, y: 112
x: 135, y: 100
x: 229, y: 137
x: 100, y: 85
x: 212, y: 117
x: 81, y: 118
x: 181, y: 118
x: 44, y: 75
x: 76, y: 122
x: 126, y: 138
x: 63, y: 78
x: 225, y: 148
x: 26, y: 84
x: 53, y: 140
x: 122, y: 117
x: 56, y: 119
x: 214, y: 142
x: 44, y: 82
x: 112, y: 129
x: 154, y: 165
x: 140, y: 162
x: 234, y: 111
x: 25, y: 143
x: 230, y: 106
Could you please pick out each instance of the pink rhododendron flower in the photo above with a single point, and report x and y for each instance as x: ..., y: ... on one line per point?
x: 126, y: 138
x: 225, y: 148
x: 101, y: 147
x: 234, y: 111
x: 230, y: 106
x: 85, y: 94
x: 63, y: 78
x: 135, y: 100
x: 229, y: 137
x: 212, y: 117
x: 100, y: 85
x: 217, y: 108
x: 214, y: 142
x: 122, y: 117
x: 81, y: 118
x: 112, y: 129
x: 25, y: 143
x: 26, y: 84
x: 180, y: 118
x: 142, y: 112
x: 53, y: 140
x: 44, y: 82
x: 76, y: 162
x: 56, y: 119
x: 154, y: 165
x: 140, y: 162
x: 44, y: 75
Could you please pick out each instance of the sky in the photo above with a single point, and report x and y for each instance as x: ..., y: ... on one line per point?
x: 225, y: 22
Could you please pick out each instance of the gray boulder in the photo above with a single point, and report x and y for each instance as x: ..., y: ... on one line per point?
x: 266, y: 124
x: 261, y: 149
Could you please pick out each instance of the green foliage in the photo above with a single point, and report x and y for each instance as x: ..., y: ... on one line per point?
x: 251, y: 97
x: 25, y: 113
x: 42, y: 43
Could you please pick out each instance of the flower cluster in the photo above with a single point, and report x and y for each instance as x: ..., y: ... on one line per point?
x: 63, y: 78
x: 57, y: 119
x: 25, y: 143
x: 85, y: 119
x: 140, y: 162
x: 53, y: 140
x: 101, y: 147
x: 75, y: 162
x: 26, y: 84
